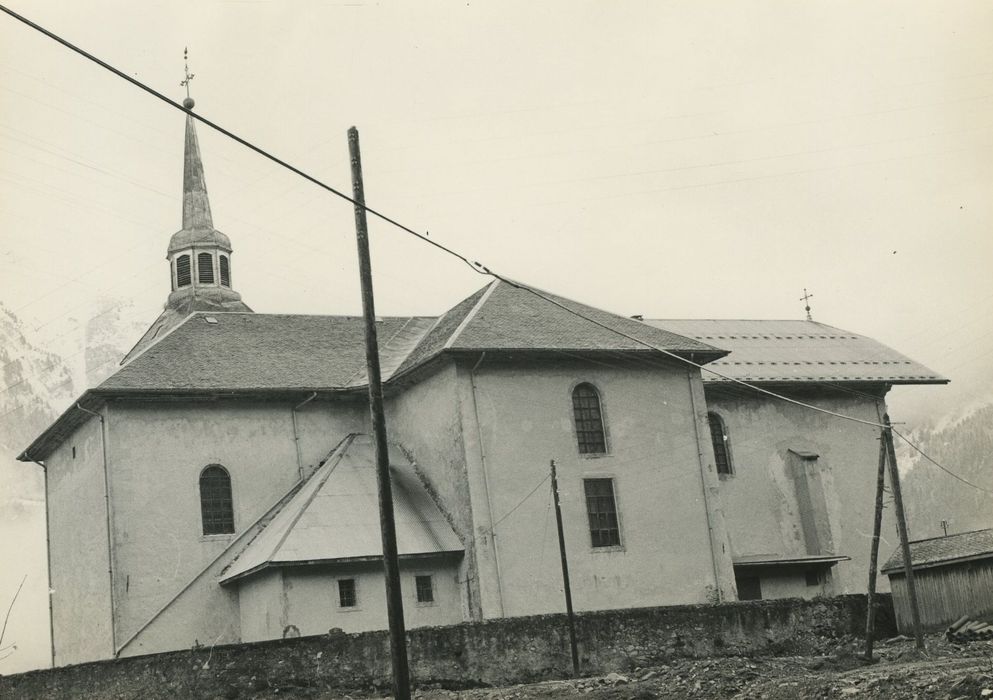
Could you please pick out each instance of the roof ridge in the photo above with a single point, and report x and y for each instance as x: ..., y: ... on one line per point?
x: 155, y: 341
x: 471, y: 315
x: 340, y: 450
x: 954, y: 534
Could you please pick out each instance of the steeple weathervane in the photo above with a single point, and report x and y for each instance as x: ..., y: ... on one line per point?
x: 806, y: 301
x: 188, y: 102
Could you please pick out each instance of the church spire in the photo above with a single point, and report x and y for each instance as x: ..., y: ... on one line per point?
x: 196, y: 205
x: 199, y: 255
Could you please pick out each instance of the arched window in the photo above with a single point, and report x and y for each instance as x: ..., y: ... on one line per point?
x: 589, y: 420
x: 205, y: 268
x: 216, y: 507
x: 225, y: 271
x: 722, y: 447
x: 183, y: 276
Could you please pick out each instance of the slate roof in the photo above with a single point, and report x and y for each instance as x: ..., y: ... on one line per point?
x: 937, y: 551
x: 250, y: 351
x: 335, y: 516
x: 799, y: 351
x: 504, y: 317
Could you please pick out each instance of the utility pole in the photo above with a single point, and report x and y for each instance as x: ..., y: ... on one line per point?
x: 901, y: 523
x: 870, y: 617
x: 391, y: 565
x: 565, y: 575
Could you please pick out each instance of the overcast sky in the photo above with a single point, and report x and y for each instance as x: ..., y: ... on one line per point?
x: 670, y: 159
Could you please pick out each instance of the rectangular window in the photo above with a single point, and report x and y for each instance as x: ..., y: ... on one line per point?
x: 425, y: 589
x: 602, y: 512
x: 346, y: 593
x: 749, y: 587
x: 814, y: 577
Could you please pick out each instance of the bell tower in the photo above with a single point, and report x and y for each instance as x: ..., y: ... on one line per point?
x: 200, y: 271
x: 199, y: 255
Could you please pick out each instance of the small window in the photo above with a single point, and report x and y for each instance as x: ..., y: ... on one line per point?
x: 216, y: 505
x: 589, y: 420
x: 346, y: 593
x: 205, y: 268
x: 722, y: 447
x: 425, y: 589
x: 602, y: 511
x: 814, y: 577
x: 183, y: 276
x: 225, y: 271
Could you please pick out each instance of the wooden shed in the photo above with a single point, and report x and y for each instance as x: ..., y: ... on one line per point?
x: 954, y: 577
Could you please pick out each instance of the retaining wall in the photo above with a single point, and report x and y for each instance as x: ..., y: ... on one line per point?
x: 494, y: 652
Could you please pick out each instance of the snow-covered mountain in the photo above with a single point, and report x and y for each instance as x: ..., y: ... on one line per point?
x: 39, y: 378
x: 962, y: 442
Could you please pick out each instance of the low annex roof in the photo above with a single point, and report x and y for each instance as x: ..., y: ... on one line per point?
x: 937, y: 551
x: 334, y: 517
x: 798, y: 351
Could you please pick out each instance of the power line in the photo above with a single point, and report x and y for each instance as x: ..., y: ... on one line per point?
x: 935, y: 463
x: 473, y: 265
x: 519, y: 503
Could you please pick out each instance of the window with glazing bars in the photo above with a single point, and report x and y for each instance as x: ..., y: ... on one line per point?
x: 205, y: 268
x: 183, y: 275
x: 216, y: 506
x: 425, y: 589
x: 589, y: 420
x: 225, y: 271
x: 722, y: 451
x: 346, y: 593
x: 602, y: 511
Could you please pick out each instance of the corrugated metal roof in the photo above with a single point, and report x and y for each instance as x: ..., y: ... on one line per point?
x: 335, y: 516
x: 799, y: 351
x: 943, y: 550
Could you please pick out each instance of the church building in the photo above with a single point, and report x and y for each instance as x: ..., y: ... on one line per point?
x: 220, y: 486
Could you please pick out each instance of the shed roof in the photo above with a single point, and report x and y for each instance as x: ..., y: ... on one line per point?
x: 938, y: 551
x: 798, y: 351
x: 334, y: 516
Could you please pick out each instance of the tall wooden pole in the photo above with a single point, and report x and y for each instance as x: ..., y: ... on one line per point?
x: 901, y: 523
x: 391, y: 565
x: 877, y: 524
x: 565, y: 575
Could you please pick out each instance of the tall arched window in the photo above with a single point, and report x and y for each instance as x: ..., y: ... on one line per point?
x: 225, y: 271
x: 183, y: 276
x: 722, y: 447
x: 589, y: 420
x: 205, y: 268
x: 216, y: 506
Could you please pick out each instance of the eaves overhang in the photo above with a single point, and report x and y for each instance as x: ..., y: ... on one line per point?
x: 94, y: 399
x: 450, y: 555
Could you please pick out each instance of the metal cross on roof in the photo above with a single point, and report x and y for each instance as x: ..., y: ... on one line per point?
x: 806, y: 300
x: 186, y: 68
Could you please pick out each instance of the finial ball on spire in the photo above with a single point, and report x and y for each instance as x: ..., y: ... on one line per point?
x: 188, y: 103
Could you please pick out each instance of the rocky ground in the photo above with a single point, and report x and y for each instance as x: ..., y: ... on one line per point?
x: 945, y: 672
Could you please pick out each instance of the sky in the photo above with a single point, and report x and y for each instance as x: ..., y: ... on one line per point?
x: 668, y: 159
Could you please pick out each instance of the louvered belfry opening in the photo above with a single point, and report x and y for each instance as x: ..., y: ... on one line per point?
x: 183, y: 275
x: 216, y: 504
x: 589, y: 420
x: 205, y: 268
x: 225, y: 271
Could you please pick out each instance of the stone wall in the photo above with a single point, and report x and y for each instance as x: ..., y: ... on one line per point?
x: 471, y: 654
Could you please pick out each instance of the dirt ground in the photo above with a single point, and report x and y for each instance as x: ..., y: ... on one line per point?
x: 945, y: 672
